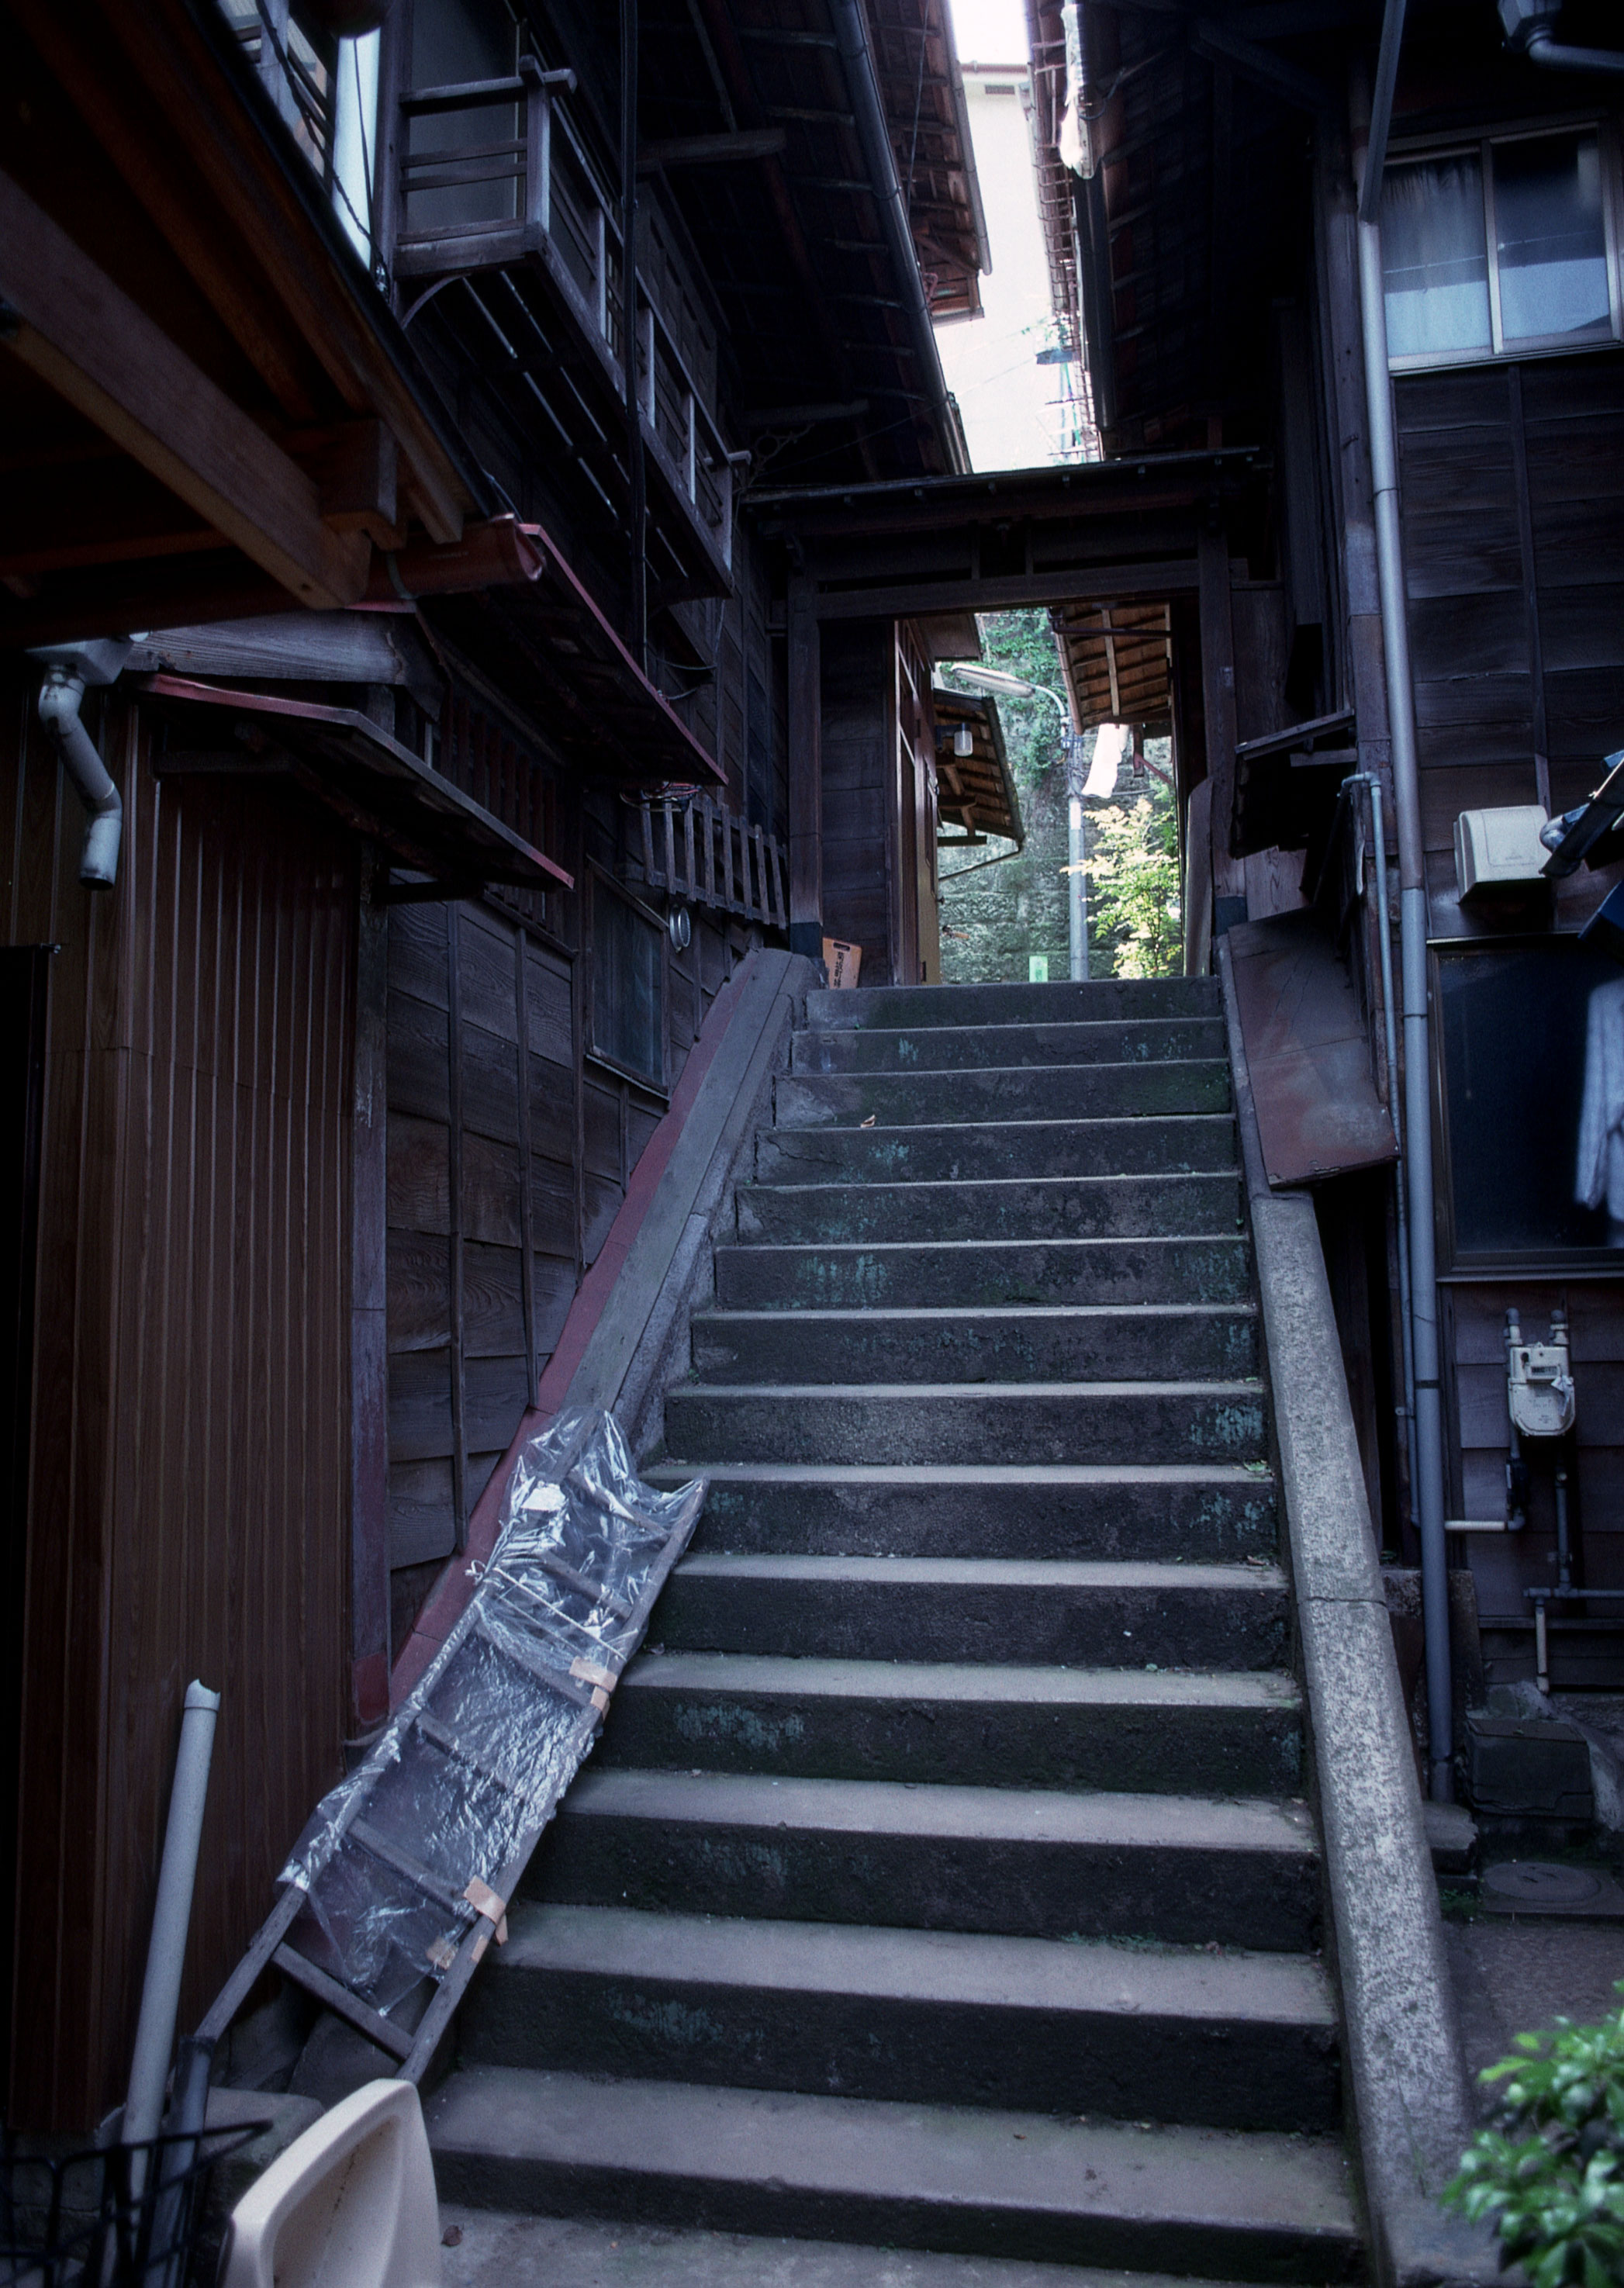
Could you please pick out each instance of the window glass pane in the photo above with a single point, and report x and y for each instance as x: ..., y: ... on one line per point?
x: 1550, y: 238
x: 453, y: 43
x: 626, y: 1011
x: 1435, y: 258
x: 1532, y: 1042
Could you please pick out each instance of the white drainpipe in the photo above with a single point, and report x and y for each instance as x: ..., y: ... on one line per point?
x: 69, y: 668
x: 1413, y: 974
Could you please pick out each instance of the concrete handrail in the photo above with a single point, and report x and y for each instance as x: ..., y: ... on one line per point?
x: 1408, y: 2107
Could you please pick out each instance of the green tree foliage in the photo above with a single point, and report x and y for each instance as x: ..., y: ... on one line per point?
x: 1548, y: 2172
x: 1133, y: 886
x: 995, y: 916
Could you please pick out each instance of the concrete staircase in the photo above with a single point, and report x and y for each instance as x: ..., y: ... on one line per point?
x: 943, y: 1880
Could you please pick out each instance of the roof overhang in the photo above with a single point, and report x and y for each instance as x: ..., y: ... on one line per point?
x: 200, y: 386
x: 977, y: 789
x: 347, y: 763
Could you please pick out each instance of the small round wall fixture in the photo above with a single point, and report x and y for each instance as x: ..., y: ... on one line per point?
x: 679, y: 928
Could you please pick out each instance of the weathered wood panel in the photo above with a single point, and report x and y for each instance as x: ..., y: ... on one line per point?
x: 1503, y: 1566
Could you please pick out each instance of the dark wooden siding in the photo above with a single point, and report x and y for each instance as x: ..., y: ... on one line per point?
x: 1513, y: 501
x: 188, y: 1511
x: 1501, y: 1565
x: 510, y: 1149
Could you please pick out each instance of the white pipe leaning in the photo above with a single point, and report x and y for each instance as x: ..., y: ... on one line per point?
x: 1417, y: 1052
x: 59, y: 710
x: 166, y: 1952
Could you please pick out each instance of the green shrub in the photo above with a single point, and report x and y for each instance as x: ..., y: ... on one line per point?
x: 1549, y: 2172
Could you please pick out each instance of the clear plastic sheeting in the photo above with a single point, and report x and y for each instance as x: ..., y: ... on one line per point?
x: 409, y: 1864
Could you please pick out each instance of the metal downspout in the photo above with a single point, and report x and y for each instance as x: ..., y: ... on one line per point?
x: 1369, y: 780
x: 1413, y: 967
x: 852, y: 36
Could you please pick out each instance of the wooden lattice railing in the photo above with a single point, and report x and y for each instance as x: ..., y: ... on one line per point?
x: 692, y: 849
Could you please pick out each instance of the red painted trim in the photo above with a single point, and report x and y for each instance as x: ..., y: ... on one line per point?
x: 454, y: 1588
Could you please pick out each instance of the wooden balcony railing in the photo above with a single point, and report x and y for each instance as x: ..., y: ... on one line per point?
x: 478, y: 201
x: 693, y: 850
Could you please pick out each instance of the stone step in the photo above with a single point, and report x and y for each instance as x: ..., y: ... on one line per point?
x: 1054, y: 1207
x: 521, y: 2251
x: 1029, y: 1343
x: 1225, y: 2041
x: 957, y: 1422
x: 1217, y: 1511
x: 943, y: 1048
x: 1228, y: 1618
x: 1012, y: 1094
x: 946, y: 1723
x: 1103, y: 1000
x: 1255, y: 2205
x: 923, y: 1275
x: 967, y: 1151
x: 1189, y: 1871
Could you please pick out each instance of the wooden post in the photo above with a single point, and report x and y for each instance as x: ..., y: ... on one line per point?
x: 1355, y: 669
x: 526, y: 1172
x: 370, y: 1646
x: 806, y: 774
x: 1218, y: 703
x: 454, y: 1184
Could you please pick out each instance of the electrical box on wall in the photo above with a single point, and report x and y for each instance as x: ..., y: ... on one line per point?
x: 1497, y: 851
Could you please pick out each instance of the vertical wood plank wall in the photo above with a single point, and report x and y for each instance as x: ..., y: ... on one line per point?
x: 1512, y: 486
x: 510, y: 1151
x: 188, y: 1511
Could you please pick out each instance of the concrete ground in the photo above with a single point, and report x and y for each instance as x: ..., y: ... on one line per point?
x: 1513, y: 1976
x: 494, y: 2251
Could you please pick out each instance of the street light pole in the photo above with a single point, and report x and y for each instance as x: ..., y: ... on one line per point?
x: 1078, y: 882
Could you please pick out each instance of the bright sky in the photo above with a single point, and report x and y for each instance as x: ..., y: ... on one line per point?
x: 1006, y: 398
x: 990, y: 31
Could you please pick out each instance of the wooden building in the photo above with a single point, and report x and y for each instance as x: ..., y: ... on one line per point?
x: 1218, y: 246
x: 449, y: 718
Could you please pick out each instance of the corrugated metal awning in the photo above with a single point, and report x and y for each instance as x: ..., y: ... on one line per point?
x: 349, y: 764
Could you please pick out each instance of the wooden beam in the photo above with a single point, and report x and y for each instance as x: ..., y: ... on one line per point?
x: 170, y: 66
x: 1118, y: 582
x: 805, y: 759
x: 1218, y: 706
x: 82, y: 334
x: 353, y: 465
x: 712, y: 150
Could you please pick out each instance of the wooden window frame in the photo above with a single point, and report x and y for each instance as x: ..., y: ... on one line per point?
x: 656, y: 1084
x: 1481, y: 145
x: 1460, y: 1267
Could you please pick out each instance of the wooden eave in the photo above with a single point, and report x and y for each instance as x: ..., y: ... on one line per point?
x: 794, y: 243
x: 192, y: 339
x: 548, y: 644
x: 1142, y: 482
x: 924, y: 98
x: 1117, y: 661
x: 976, y: 789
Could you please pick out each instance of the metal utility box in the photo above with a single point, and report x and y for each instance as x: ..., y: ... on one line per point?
x: 1499, y: 850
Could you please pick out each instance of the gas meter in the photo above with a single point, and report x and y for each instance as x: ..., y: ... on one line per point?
x: 1538, y: 1380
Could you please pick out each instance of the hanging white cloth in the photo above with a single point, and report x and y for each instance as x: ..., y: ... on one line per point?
x: 1600, y: 1175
